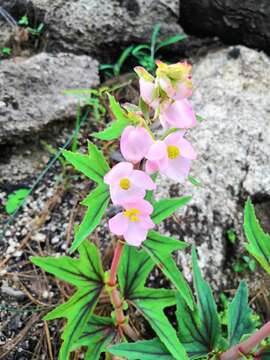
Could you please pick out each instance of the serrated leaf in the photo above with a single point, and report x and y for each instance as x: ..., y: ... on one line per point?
x: 239, y: 316
x: 133, y: 271
x: 97, y: 334
x: 97, y: 204
x: 259, y: 241
x: 166, y: 207
x: 191, y: 333
x: 207, y: 307
x: 95, y: 195
x: 116, y: 127
x: 159, y: 248
x: 152, y: 308
x: 86, y: 274
x: 132, y: 274
x: 93, y: 165
x: 143, y: 350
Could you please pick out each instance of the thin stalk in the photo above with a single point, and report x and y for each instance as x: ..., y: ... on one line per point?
x: 115, y: 294
x: 245, y: 348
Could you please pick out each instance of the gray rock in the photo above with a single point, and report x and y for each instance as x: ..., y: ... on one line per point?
x: 31, y: 91
x: 233, y: 144
x: 235, y: 22
x: 101, y: 27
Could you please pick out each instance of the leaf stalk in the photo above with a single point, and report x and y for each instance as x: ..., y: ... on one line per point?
x: 245, y: 348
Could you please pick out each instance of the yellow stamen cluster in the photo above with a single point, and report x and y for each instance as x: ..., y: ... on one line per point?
x: 173, y: 152
x: 132, y: 214
x: 124, y: 184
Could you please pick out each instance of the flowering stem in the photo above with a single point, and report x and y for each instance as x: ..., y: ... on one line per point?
x: 115, y: 294
x: 115, y: 263
x: 244, y: 348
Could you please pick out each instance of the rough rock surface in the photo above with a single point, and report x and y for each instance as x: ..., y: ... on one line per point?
x: 31, y: 91
x: 91, y: 26
x: 233, y: 94
x: 236, y: 22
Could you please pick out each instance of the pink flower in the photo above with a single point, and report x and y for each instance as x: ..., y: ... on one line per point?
x: 147, y: 87
x: 178, y: 114
x: 175, y: 79
x: 171, y: 157
x: 133, y: 223
x: 135, y: 143
x: 126, y: 184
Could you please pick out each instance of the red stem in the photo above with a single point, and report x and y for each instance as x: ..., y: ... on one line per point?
x: 115, y: 263
x: 246, y: 346
x: 115, y: 294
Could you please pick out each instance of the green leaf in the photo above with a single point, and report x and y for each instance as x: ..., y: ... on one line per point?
x: 264, y: 354
x: 133, y: 271
x: 151, y: 304
x: 115, y: 129
x: 143, y: 350
x: 86, y: 274
x: 139, y: 48
x: 191, y: 333
x: 194, y: 181
x: 239, y: 316
x: 160, y: 248
x: 24, y: 20
x: 125, y: 54
x: 166, y: 207
x: 97, y: 335
x: 93, y: 165
x: 207, y: 307
x: 170, y: 41
x: 258, y: 241
x: 97, y: 203
x: 154, y: 40
x: 15, y: 200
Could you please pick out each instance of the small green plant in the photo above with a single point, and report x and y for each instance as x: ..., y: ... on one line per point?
x: 258, y: 241
x: 24, y: 21
x: 244, y: 263
x: 232, y: 236
x: 6, y: 51
x: 111, y: 70
x: 146, y: 53
x: 15, y: 199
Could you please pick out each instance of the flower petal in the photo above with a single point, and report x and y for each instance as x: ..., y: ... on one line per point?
x: 147, y: 90
x: 119, y: 171
x: 147, y: 223
x: 177, y: 169
x: 174, y: 138
x: 186, y: 149
x: 120, y: 196
x: 157, y: 151
x: 135, y: 234
x: 151, y: 166
x: 179, y: 114
x: 118, y: 224
x: 142, y: 180
x: 135, y: 143
x: 140, y: 204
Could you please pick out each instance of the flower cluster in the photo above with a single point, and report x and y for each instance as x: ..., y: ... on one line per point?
x: 166, y: 96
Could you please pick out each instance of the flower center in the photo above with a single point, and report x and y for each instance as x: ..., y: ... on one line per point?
x: 124, y: 184
x: 132, y: 214
x: 173, y: 152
